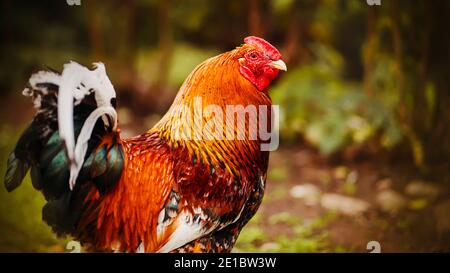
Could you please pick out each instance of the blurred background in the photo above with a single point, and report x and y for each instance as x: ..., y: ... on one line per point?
x: 365, y: 135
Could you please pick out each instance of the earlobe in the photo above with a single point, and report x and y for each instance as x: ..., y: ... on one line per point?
x: 261, y: 82
x: 248, y: 74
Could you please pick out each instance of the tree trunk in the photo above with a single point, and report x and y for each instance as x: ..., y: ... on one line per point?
x: 165, y: 44
x: 369, y: 50
x: 254, y: 19
x: 94, y: 31
x: 295, y: 50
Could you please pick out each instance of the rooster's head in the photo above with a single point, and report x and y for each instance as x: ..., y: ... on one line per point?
x: 260, y: 62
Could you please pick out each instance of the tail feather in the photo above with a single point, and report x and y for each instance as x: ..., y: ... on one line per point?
x: 78, y: 104
x: 103, y: 172
x: 20, y: 160
x: 54, y: 173
x: 54, y: 213
x: 16, y: 171
x: 36, y: 177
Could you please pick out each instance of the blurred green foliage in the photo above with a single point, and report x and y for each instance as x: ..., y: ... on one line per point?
x: 329, y: 111
x: 184, y: 59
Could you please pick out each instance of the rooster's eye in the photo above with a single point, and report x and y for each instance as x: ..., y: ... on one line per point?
x: 253, y: 55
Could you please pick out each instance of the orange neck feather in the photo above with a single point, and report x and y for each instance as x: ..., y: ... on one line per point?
x: 216, y: 81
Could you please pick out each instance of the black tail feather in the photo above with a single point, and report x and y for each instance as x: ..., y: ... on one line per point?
x: 17, y: 169
x: 41, y: 149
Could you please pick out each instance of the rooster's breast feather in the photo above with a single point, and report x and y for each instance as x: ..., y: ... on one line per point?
x: 164, y: 199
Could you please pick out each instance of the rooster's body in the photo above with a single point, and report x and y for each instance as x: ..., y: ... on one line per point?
x: 163, y: 190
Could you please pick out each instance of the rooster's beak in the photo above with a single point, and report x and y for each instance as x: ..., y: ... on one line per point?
x: 280, y: 65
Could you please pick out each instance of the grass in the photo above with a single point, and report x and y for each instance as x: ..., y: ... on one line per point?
x: 305, y: 236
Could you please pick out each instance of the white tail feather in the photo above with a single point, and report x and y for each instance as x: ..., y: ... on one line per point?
x: 37, y: 78
x: 76, y: 82
x: 84, y: 136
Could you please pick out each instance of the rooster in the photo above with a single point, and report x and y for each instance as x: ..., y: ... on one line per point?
x: 160, y: 191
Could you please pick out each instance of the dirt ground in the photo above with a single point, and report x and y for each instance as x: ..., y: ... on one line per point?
x: 413, y: 226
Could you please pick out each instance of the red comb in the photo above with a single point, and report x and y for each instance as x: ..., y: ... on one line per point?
x: 269, y: 49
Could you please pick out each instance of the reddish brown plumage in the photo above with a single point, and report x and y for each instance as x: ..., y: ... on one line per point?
x: 127, y: 214
x: 225, y: 178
